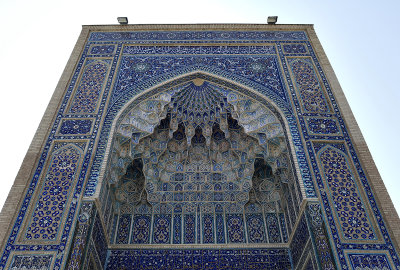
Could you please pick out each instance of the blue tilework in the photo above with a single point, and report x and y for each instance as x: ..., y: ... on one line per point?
x: 322, y: 126
x: 220, y: 228
x: 255, y: 228
x: 308, y: 85
x: 141, y: 229
x: 189, y: 233
x: 294, y: 48
x: 47, y: 216
x: 235, y: 228
x: 299, y: 241
x: 177, y: 231
x: 319, y: 236
x: 370, y: 261
x: 75, y: 126
x: 81, y: 235
x: 274, y: 234
x: 194, y: 35
x: 309, y: 265
x: 183, y: 50
x: 102, y: 49
x: 283, y: 227
x: 99, y: 240
x: 124, y: 226
x: 31, y: 262
x: 162, y: 229
x: 208, y: 229
x: 60, y: 246
x: 199, y: 259
x: 90, y: 86
x: 262, y: 70
x: 352, y: 217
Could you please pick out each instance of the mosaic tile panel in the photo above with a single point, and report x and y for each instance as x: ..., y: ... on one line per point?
x: 322, y: 126
x: 162, y: 229
x: 99, y: 240
x: 75, y: 126
x: 235, y: 228
x: 124, y: 226
x: 80, y: 237
x: 58, y: 182
x: 208, y: 228
x: 349, y: 207
x: 370, y: 261
x: 31, y: 262
x: 274, y: 233
x: 299, y: 241
x: 141, y: 229
x: 282, y: 223
x: 135, y: 69
x: 189, y: 232
x: 102, y: 49
x: 198, y: 35
x: 255, y: 228
x: 321, y: 242
x: 308, y: 85
x: 294, y: 48
x: 220, y: 228
x: 205, y: 50
x: 177, y: 231
x: 89, y: 88
x: 199, y: 259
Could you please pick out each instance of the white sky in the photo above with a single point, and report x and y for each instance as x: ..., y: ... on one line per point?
x: 361, y: 39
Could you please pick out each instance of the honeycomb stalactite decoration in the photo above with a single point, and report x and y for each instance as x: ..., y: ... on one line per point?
x: 198, y: 143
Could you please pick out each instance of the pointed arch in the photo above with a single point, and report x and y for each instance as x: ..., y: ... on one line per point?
x: 118, y: 154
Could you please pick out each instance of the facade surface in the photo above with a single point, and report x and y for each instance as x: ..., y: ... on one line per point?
x: 198, y: 147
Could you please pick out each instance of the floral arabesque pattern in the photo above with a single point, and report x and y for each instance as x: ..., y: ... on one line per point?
x: 353, y: 218
x: 46, y: 218
x: 89, y: 88
x: 308, y: 85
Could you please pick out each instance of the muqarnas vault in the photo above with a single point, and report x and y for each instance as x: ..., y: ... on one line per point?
x: 198, y: 147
